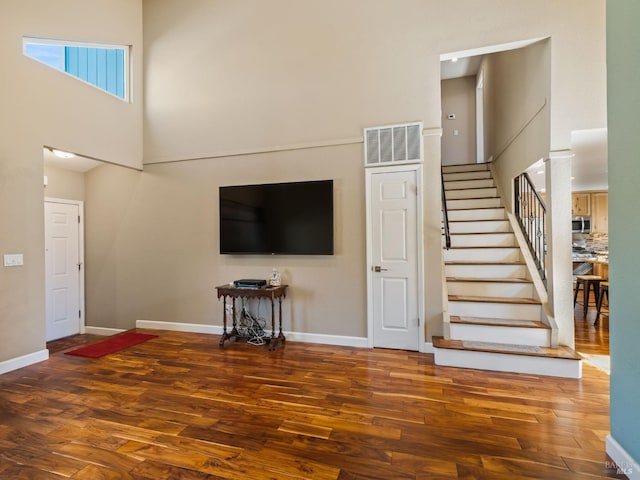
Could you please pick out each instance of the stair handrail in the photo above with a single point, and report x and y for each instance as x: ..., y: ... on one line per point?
x: 531, y: 212
x: 445, y: 214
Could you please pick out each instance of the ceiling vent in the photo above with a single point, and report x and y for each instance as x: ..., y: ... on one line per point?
x: 393, y: 144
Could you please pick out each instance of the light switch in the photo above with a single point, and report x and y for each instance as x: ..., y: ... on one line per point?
x: 13, y: 260
x: 456, y: 132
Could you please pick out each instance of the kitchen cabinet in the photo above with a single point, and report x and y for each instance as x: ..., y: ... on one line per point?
x: 580, y: 204
x: 600, y: 212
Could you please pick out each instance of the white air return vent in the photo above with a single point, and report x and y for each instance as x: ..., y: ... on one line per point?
x: 393, y: 144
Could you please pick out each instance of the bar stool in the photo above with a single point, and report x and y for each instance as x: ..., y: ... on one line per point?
x: 604, y: 290
x: 587, y: 281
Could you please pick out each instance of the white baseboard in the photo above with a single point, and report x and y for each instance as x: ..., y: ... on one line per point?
x: 102, y: 331
x: 625, y: 463
x: 427, y: 348
x: 340, y: 340
x: 180, y: 327
x: 23, y: 361
x: 292, y: 336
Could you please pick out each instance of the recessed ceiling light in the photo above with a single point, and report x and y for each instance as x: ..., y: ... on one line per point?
x: 573, y: 178
x: 540, y: 172
x: 62, y: 154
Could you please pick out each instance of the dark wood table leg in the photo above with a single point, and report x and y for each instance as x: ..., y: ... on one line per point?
x: 278, y: 340
x: 225, y: 335
x: 231, y: 336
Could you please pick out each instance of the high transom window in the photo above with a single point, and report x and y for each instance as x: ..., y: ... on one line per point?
x: 103, y: 66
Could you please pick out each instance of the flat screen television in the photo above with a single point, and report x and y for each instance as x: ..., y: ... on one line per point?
x: 294, y: 218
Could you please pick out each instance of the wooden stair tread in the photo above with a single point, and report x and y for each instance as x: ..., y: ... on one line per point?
x: 480, y: 263
x: 489, y: 280
x: 472, y: 208
x: 499, y: 322
x: 472, y: 198
x: 481, y: 233
x: 512, y: 300
x: 464, y: 188
x: 486, y: 246
x: 481, y: 220
x: 560, y: 352
x: 470, y: 165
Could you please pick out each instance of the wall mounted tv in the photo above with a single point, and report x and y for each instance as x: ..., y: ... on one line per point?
x: 294, y: 218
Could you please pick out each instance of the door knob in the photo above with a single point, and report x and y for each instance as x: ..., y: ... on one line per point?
x: 378, y: 268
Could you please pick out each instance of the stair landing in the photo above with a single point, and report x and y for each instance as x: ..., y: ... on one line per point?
x: 532, y: 359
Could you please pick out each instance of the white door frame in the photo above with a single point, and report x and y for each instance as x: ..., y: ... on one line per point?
x: 369, y: 172
x: 480, y: 117
x: 80, y: 204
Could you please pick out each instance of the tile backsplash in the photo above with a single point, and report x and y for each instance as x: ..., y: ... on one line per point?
x: 598, y: 242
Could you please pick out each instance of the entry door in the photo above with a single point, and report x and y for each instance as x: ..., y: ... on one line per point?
x: 62, y: 269
x: 393, y: 257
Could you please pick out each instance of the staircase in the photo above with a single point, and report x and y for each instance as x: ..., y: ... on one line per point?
x: 496, y: 321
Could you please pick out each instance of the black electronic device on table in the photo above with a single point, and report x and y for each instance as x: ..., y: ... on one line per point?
x: 250, y: 283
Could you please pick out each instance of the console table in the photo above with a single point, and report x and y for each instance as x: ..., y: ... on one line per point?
x: 272, y: 293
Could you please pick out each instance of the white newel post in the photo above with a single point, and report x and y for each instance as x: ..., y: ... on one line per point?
x: 559, y: 260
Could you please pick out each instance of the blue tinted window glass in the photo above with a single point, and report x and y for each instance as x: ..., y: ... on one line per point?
x: 52, y: 55
x: 101, y: 67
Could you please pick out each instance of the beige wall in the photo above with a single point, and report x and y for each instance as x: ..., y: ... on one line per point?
x: 152, y: 250
x: 519, y: 88
x: 459, y: 98
x: 41, y: 106
x: 226, y: 76
x: 65, y: 184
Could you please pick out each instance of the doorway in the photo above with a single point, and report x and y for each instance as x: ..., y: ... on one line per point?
x: 64, y: 268
x: 394, y: 254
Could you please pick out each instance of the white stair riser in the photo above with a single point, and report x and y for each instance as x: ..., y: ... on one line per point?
x: 500, y: 334
x: 471, y: 167
x: 519, y: 311
x: 509, y: 254
x: 486, y: 271
x: 480, y: 227
x: 484, y: 240
x: 472, y: 193
x: 466, y: 184
x: 491, y: 289
x: 453, y: 177
x: 500, y: 362
x: 489, y: 202
x: 478, y: 214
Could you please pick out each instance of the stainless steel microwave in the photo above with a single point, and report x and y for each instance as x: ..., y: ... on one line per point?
x: 581, y: 224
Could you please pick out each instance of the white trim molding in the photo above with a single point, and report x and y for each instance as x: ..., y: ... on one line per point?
x: 81, y: 291
x: 180, y: 327
x: 23, y: 361
x: 340, y: 340
x: 624, y: 463
x: 105, y: 332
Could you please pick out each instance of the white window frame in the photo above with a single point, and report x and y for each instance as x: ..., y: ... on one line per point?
x: 26, y: 40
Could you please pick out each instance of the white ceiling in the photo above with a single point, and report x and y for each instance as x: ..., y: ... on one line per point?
x: 77, y: 163
x: 463, y: 67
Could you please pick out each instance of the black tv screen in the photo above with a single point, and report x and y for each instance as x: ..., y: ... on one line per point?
x: 293, y: 218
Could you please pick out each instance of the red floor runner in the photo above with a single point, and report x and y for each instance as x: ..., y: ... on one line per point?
x: 111, y: 345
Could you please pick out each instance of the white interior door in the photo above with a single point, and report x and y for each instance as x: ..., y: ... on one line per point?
x: 394, y: 258
x: 62, y: 269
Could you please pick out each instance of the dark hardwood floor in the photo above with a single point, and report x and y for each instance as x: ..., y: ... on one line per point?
x: 178, y: 407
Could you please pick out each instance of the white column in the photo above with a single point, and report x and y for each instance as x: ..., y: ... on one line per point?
x: 559, y: 260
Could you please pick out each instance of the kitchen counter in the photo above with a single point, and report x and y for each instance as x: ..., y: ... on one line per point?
x: 590, y: 264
